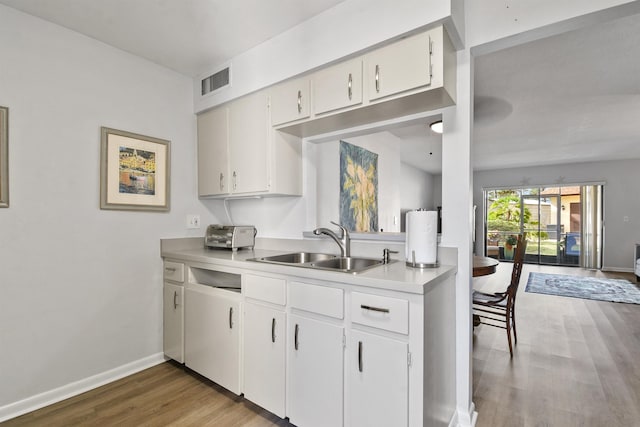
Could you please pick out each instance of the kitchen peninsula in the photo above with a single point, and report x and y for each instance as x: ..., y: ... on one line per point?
x: 318, y: 347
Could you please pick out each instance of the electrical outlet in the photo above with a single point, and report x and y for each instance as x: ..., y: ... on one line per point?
x: 193, y: 221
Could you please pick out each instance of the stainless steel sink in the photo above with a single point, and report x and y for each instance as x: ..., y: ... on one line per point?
x: 296, y: 258
x: 321, y: 261
x: 348, y: 264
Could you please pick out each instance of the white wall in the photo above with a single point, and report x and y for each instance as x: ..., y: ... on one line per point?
x: 620, y: 200
x: 416, y: 188
x: 81, y: 287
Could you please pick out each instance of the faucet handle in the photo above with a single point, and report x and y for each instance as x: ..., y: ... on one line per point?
x: 385, y: 255
x: 340, y: 226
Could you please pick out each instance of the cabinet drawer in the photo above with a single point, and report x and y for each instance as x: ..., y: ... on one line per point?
x: 174, y: 271
x: 264, y: 288
x: 391, y: 314
x: 317, y: 299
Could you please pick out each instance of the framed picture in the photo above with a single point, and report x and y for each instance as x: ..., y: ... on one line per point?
x: 4, y: 157
x: 134, y: 171
x: 358, y: 188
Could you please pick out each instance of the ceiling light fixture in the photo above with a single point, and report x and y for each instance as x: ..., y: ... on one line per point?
x: 436, y: 126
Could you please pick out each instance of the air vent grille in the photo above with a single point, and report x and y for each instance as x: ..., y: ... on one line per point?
x: 215, y: 81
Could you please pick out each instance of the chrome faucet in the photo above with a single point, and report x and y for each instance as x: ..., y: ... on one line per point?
x: 344, y: 241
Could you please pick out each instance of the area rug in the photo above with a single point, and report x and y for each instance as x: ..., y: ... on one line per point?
x: 615, y: 290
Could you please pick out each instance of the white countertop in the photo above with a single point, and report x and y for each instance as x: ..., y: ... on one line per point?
x: 395, y: 276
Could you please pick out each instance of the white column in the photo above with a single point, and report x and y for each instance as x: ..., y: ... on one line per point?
x: 457, y: 218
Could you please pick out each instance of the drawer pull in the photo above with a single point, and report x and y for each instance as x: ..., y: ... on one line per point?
x: 273, y: 330
x: 170, y: 269
x: 368, y: 307
x: 230, y: 317
x: 360, y: 356
x: 295, y: 337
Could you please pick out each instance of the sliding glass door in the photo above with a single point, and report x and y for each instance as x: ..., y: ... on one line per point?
x: 563, y: 224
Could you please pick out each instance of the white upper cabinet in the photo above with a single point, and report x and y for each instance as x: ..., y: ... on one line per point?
x: 233, y: 147
x: 290, y: 101
x: 399, y: 67
x: 213, y: 154
x: 240, y: 154
x: 337, y: 87
x: 249, y: 132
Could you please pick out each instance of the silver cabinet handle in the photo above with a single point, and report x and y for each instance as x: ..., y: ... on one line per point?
x: 360, y: 356
x: 170, y: 269
x: 377, y: 78
x: 175, y: 299
x: 295, y: 337
x: 230, y: 317
x: 235, y: 180
x: 299, y: 102
x: 368, y: 307
x: 273, y: 330
x: 349, y: 85
x: 221, y: 181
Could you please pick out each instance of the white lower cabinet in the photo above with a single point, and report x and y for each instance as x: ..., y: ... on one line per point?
x: 315, y: 368
x: 377, y: 382
x: 323, y: 354
x: 212, y: 334
x: 173, y: 321
x: 264, y: 357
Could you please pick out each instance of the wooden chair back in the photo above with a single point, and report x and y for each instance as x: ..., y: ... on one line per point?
x: 518, y: 261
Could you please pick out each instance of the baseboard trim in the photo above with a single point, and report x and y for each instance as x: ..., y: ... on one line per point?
x: 465, y: 418
x: 41, y: 400
x: 618, y: 269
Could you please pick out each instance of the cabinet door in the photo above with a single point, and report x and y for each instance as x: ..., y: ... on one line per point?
x: 212, y: 337
x: 337, y: 87
x: 378, y: 381
x: 213, y: 157
x: 249, y: 146
x: 290, y: 101
x: 315, y: 373
x: 399, y: 67
x: 173, y: 321
x: 264, y: 357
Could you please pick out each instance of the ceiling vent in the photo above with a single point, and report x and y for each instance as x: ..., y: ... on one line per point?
x: 216, y: 81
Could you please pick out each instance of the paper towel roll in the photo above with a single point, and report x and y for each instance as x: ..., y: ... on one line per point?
x: 421, y: 238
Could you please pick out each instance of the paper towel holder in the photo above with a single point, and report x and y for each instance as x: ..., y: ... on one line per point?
x: 414, y: 264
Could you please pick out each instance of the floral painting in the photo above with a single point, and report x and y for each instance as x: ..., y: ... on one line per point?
x: 358, y: 188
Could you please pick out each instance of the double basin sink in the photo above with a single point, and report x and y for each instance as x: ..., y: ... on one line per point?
x: 321, y: 261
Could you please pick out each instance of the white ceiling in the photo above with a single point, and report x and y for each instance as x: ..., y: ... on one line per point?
x: 574, y: 97
x: 185, y: 35
x: 570, y: 98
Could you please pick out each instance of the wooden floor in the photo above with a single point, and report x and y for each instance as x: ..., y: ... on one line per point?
x: 165, y: 395
x: 577, y: 363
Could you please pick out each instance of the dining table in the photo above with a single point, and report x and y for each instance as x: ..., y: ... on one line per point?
x: 483, y: 265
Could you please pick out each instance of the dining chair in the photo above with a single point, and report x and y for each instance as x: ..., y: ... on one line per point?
x: 499, y: 308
